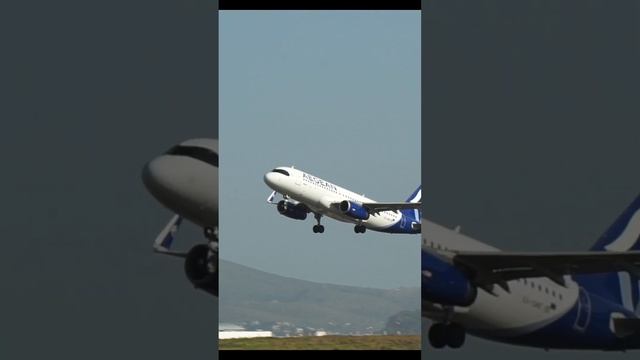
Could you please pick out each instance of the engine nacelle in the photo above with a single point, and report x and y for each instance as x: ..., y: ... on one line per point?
x: 445, y: 284
x: 197, y: 267
x: 354, y: 210
x: 292, y: 210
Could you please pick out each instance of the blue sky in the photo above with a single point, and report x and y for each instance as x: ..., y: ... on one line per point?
x: 334, y: 93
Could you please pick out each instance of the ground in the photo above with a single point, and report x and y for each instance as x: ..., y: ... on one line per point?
x: 377, y: 342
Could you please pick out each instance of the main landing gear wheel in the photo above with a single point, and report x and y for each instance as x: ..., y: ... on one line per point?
x: 359, y: 229
x: 441, y: 335
x: 318, y: 228
x: 201, y: 263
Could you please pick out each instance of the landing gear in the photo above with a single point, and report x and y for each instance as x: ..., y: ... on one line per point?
x: 451, y: 334
x: 201, y: 263
x: 318, y: 228
x: 211, y: 234
x: 212, y: 256
x: 437, y: 337
x: 359, y: 229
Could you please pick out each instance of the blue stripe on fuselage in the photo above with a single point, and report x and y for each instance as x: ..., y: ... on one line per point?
x: 403, y: 225
x: 563, y: 333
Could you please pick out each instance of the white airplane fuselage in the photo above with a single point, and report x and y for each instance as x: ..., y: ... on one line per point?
x: 529, y: 311
x: 528, y: 305
x: 322, y: 197
x: 185, y: 180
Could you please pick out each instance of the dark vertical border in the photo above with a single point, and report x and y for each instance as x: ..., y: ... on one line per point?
x: 215, y: 102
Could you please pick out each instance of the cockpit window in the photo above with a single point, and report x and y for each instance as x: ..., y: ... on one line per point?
x: 195, y: 152
x: 283, y: 172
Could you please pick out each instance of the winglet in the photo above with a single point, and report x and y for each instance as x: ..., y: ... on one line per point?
x: 165, y: 239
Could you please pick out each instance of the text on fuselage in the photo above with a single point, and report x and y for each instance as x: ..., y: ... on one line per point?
x: 314, y: 180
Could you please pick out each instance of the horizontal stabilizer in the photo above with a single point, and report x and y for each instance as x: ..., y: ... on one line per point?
x: 494, y: 267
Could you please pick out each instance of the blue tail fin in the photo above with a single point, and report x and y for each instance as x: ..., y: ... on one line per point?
x: 624, y: 233
x: 415, y: 197
x: 621, y: 287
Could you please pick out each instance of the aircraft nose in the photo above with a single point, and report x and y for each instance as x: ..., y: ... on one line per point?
x: 270, y: 179
x: 154, y: 175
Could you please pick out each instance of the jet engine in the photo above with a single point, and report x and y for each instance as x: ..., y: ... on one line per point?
x: 201, y: 267
x: 445, y: 284
x: 292, y: 210
x: 354, y: 210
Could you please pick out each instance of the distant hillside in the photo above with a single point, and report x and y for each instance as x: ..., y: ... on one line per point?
x: 248, y: 295
x: 404, y: 322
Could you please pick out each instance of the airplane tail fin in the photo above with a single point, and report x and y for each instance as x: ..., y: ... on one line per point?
x: 624, y: 233
x: 621, y: 287
x: 415, y: 197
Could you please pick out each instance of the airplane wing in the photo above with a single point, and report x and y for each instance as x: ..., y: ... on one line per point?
x: 488, y: 268
x: 164, y: 240
x: 376, y: 207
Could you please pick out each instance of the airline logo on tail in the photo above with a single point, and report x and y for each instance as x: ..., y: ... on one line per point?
x: 622, y: 236
x: 629, y: 236
x: 416, y: 197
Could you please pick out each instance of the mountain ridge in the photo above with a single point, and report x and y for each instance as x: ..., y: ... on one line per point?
x: 250, y: 295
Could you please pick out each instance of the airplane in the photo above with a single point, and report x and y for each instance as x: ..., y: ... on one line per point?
x: 185, y: 180
x: 549, y: 300
x: 304, y: 193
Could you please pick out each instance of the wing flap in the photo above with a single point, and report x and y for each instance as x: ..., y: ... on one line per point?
x: 493, y: 267
x: 379, y: 207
